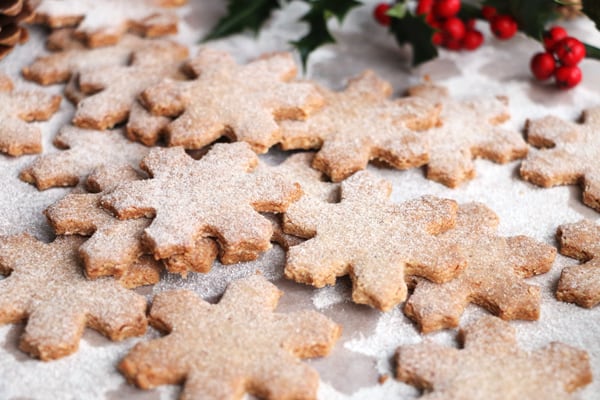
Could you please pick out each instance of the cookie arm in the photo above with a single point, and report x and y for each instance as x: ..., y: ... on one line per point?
x: 572, y: 365
x: 551, y: 167
x: 18, y: 137
x: 102, y: 255
x: 451, y: 168
x: 52, y: 331
x: 76, y: 214
x: 378, y: 280
x: 580, y: 284
x: 289, y: 378
x: 272, y: 192
x: 168, y: 98
x: 130, y: 200
x: 550, y: 130
x: 35, y: 105
x: 314, y: 262
x: 501, y: 145
x: 437, y: 306
x: 154, y: 363
x: 13, y: 304
x: 426, y: 365
x: 252, y: 293
x: 341, y: 156
x: 307, y: 333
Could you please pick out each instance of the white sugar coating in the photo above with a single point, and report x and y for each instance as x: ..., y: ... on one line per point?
x: 496, y: 68
x: 100, y: 14
x: 213, y: 283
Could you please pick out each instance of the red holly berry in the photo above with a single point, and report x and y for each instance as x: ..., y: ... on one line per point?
x: 504, y: 26
x: 380, y: 14
x: 542, y: 66
x: 569, y: 51
x: 470, y: 24
x: 567, y: 77
x: 472, y: 39
x: 488, y: 12
x: 452, y: 44
x: 553, y: 36
x: 454, y: 28
x: 446, y: 8
x: 424, y: 7
x: 437, y: 38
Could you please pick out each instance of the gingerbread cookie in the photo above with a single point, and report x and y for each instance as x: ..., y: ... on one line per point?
x: 17, y: 108
x: 242, y: 103
x: 580, y: 284
x: 74, y: 58
x: 570, y: 154
x: 491, y: 366
x: 85, y: 150
x: 102, y: 254
x: 361, y: 124
x: 46, y: 286
x: 376, y: 242
x: 297, y: 168
x: 144, y: 127
x: 102, y: 23
x: 114, y: 89
x: 239, y: 345
x: 217, y: 196
x: 493, y: 278
x: 469, y: 129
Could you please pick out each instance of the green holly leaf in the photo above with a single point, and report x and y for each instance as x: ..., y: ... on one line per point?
x: 414, y: 30
x: 532, y: 16
x: 591, y: 8
x: 242, y: 15
x: 318, y: 34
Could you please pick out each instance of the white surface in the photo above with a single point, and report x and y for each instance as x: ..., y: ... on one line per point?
x: 370, y: 337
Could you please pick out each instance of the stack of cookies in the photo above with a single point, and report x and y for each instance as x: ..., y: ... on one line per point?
x: 163, y: 152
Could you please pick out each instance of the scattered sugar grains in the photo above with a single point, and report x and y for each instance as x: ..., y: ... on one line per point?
x: 522, y: 208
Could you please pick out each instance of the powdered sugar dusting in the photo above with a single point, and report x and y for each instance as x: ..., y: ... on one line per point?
x: 497, y: 68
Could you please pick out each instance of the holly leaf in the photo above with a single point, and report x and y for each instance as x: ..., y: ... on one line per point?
x: 414, y: 30
x: 591, y: 8
x: 243, y: 15
x: 532, y: 16
x: 318, y: 34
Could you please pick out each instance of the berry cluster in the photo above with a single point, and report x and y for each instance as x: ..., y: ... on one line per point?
x: 452, y: 32
x: 560, y: 59
x: 503, y: 26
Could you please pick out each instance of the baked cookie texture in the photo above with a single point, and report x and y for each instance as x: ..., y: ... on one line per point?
x: 240, y: 102
x: 314, y: 185
x: 469, y: 129
x: 580, y: 284
x: 112, y: 90
x: 72, y: 57
x: 238, y: 346
x: 493, y: 278
x: 218, y: 196
x: 114, y: 247
x: 46, y: 286
x: 569, y: 154
x: 102, y: 23
x: 360, y: 124
x: 376, y: 242
x: 17, y: 109
x: 490, y: 365
x: 84, y: 150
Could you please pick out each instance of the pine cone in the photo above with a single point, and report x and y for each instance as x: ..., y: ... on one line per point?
x: 12, y: 14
